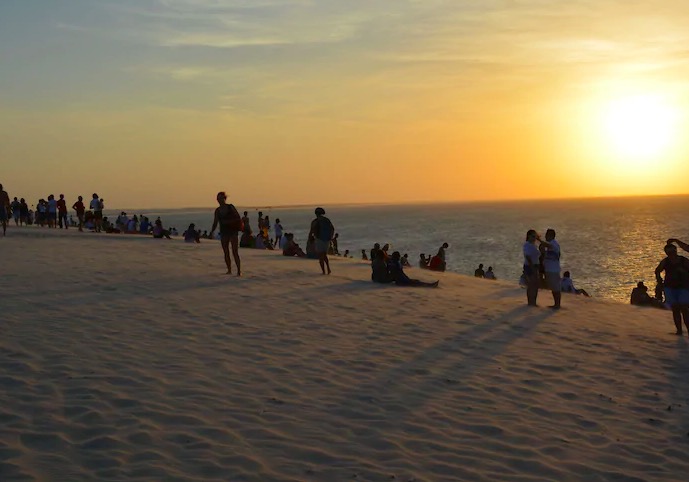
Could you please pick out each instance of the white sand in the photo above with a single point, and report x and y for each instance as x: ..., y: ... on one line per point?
x: 128, y: 358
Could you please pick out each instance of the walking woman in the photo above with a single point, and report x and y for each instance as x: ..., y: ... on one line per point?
x: 227, y: 216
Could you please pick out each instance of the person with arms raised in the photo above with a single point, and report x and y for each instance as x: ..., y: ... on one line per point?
x: 230, y: 222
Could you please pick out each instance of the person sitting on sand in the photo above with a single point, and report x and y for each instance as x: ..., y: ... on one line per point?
x: 489, y: 274
x: 423, y: 261
x: 191, y: 235
x: 640, y: 297
x: 261, y: 241
x: 292, y: 248
x: 479, y: 273
x: 405, y: 261
x: 159, y: 232
x: 380, y: 272
x: 311, y: 247
x: 247, y: 240
x: 363, y: 255
x: 333, y: 245
x: 567, y: 285
x: 400, y: 278
x: 437, y: 262
x: 346, y: 254
x: 676, y: 284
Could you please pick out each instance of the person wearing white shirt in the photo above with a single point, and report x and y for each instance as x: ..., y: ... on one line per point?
x: 531, y: 264
x: 551, y: 264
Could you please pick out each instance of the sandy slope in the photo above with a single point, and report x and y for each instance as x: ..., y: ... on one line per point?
x: 126, y: 358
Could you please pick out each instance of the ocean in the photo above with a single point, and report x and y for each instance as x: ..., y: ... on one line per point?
x: 607, y: 244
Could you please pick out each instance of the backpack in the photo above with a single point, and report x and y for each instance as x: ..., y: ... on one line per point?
x: 326, y: 230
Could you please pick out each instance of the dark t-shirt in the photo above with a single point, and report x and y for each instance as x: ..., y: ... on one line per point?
x: 677, y: 273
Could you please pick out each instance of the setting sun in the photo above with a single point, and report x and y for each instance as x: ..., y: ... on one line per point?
x: 640, y: 127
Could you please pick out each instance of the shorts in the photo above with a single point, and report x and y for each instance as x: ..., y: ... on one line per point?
x: 322, y: 246
x: 677, y: 296
x: 98, y: 214
x: 228, y: 233
x: 553, y: 281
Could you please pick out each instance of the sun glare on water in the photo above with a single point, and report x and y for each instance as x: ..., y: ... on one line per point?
x: 640, y: 128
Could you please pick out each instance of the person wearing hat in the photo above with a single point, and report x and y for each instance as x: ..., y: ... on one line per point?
x: 323, y: 231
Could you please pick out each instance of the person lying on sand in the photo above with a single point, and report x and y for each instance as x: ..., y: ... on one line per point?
x: 400, y: 278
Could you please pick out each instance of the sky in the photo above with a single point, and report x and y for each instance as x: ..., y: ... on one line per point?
x: 163, y: 103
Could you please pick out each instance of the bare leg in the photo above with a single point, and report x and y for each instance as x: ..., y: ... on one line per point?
x: 685, y: 313
x: 557, y: 298
x: 234, y: 239
x: 325, y: 261
x: 532, y: 285
x: 321, y: 261
x: 677, y: 317
x: 225, y: 243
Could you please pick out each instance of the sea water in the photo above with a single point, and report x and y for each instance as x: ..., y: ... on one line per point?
x: 607, y: 244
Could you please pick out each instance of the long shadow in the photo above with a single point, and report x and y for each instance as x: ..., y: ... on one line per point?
x: 485, y: 341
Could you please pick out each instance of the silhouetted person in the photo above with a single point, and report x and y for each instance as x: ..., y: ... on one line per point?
x: 676, y: 284
x: 531, y: 267
x: 363, y: 255
x: 227, y: 217
x: 640, y: 297
x: 4, y: 209
x: 376, y: 248
x: 479, y: 273
x: 379, y: 268
x: 405, y: 261
x: 400, y: 278
x: 679, y: 243
x: 323, y: 230
x: 490, y: 274
x: 80, y: 209
x: 551, y: 265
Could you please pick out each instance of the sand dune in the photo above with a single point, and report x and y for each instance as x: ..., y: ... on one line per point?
x: 128, y: 358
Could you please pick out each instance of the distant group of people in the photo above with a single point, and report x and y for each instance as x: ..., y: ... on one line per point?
x: 480, y: 273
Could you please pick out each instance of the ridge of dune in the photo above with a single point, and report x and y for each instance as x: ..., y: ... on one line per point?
x: 128, y: 358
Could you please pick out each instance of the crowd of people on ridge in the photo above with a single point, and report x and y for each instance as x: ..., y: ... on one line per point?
x: 541, y: 263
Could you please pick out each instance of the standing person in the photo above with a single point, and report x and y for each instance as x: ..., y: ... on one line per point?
x: 97, y: 208
x: 551, y: 264
x: 323, y: 230
x: 80, y: 209
x: 260, y: 221
x: 52, y: 212
x: 676, y: 284
x: 16, y: 211
x: 4, y: 206
x: 247, y: 223
x: 62, y: 212
x: 227, y: 216
x: 278, y: 233
x: 23, y: 212
x: 531, y: 265
x: 679, y: 243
